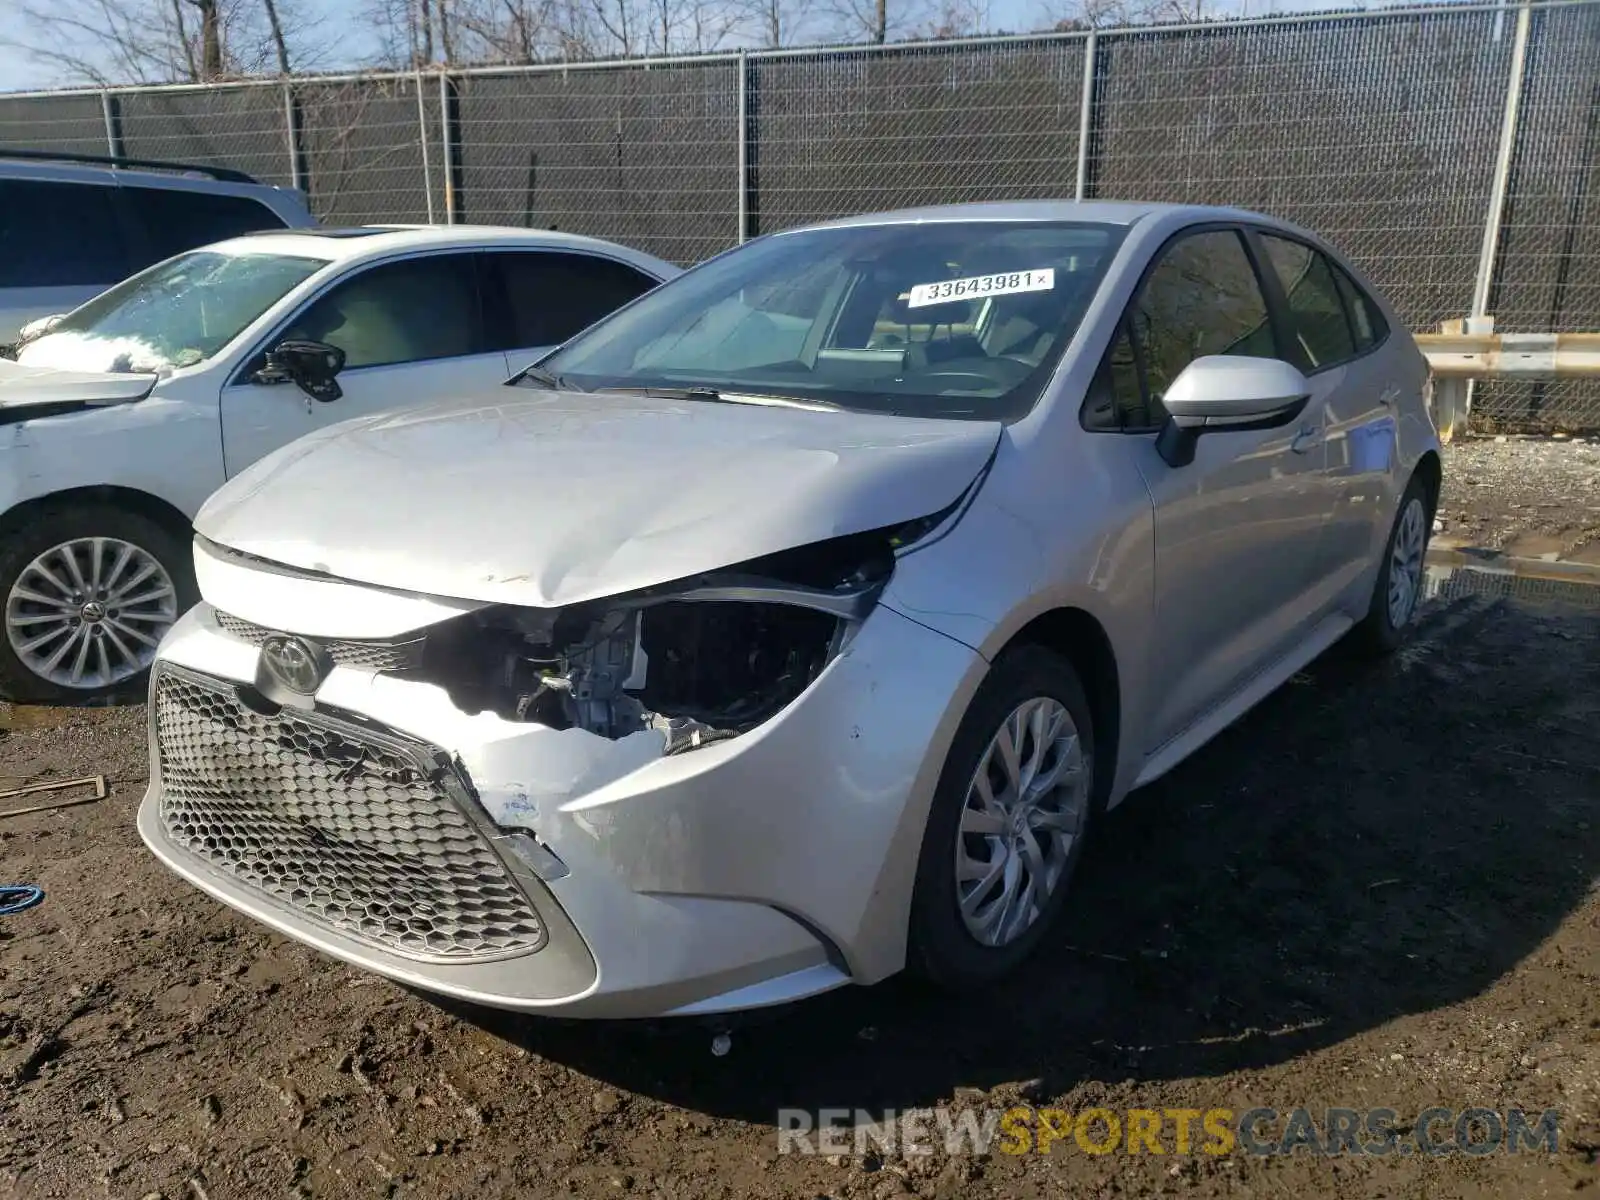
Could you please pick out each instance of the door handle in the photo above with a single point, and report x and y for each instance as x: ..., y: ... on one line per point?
x: 1389, y: 396
x: 1308, y: 437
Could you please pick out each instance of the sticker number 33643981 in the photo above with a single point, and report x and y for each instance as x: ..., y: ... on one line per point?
x: 978, y: 286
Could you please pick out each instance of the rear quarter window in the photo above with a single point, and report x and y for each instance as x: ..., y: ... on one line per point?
x: 1365, y: 317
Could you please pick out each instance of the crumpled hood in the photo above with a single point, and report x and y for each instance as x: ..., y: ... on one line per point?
x: 23, y: 385
x: 544, y: 499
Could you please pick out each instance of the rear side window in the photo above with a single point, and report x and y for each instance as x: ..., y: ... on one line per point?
x: 59, y: 235
x: 175, y: 220
x: 1367, y: 322
x: 1317, y: 319
x: 551, y: 296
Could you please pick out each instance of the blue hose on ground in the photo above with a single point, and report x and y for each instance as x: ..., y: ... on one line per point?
x: 18, y: 896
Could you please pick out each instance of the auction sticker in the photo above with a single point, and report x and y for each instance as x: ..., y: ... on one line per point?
x: 1006, y: 283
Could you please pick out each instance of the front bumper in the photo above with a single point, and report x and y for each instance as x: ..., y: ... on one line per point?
x: 748, y: 872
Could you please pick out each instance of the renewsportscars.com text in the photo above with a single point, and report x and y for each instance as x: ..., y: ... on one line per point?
x: 1178, y: 1131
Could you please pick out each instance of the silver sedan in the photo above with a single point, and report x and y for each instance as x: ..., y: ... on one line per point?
x: 794, y: 625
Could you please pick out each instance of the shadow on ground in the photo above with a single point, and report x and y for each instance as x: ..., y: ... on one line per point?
x: 1370, y: 842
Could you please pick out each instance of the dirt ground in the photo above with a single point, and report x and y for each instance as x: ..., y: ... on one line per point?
x: 1534, y: 497
x: 1378, y: 890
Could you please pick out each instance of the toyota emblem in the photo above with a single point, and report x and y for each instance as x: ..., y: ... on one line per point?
x: 294, y: 664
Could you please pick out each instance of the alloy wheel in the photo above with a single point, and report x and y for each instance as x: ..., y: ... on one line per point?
x: 1405, y: 562
x: 89, y: 613
x: 1024, y: 810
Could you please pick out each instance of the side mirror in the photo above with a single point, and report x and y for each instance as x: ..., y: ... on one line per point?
x: 1221, y: 393
x: 311, y: 366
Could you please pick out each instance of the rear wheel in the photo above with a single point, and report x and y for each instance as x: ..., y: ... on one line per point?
x: 1398, y: 588
x: 1008, y: 822
x: 88, y: 591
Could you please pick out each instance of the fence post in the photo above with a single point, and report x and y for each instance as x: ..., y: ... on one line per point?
x: 744, y: 145
x: 1478, y: 318
x: 450, y: 130
x: 293, y: 141
x: 111, y: 109
x: 749, y: 146
x: 1086, y: 114
x: 1502, y: 163
x: 422, y: 142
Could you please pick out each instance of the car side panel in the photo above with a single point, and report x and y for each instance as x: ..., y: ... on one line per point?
x: 1063, y: 521
x: 167, y: 446
x: 1236, y: 535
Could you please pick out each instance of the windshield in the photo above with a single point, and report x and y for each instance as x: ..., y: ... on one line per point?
x: 959, y: 319
x: 178, y: 313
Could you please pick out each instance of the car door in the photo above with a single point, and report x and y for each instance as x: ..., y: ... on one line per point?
x: 537, y: 299
x: 1331, y: 328
x: 1237, y: 528
x: 412, y: 331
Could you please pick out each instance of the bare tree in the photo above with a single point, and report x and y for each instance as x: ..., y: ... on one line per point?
x: 958, y: 18
x: 773, y: 24
x: 711, y: 25
x: 211, y: 63
x: 403, y: 29
x: 444, y: 30
x: 280, y: 44
x: 183, y: 37
x: 164, y: 41
x: 1100, y: 14
x: 875, y: 20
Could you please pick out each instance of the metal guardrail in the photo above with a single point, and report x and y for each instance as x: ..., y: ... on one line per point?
x: 1457, y: 358
x: 1512, y: 355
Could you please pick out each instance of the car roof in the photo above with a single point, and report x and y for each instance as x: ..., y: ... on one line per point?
x: 355, y: 243
x: 1106, y: 212
x: 88, y: 169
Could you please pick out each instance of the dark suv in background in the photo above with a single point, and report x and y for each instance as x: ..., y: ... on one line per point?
x: 73, y: 225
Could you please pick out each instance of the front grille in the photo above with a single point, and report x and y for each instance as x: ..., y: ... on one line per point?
x: 353, y: 829
x: 368, y: 655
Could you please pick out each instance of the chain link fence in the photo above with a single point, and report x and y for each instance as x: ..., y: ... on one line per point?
x: 1380, y: 130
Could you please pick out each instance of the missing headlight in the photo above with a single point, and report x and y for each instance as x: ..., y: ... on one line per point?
x: 699, y: 660
x: 731, y: 665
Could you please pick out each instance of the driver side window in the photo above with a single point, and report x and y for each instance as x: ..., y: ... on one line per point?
x: 414, y: 310
x: 1202, y: 297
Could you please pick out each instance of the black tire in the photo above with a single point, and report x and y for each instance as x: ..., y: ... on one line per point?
x: 1379, y: 633
x: 941, y: 949
x: 54, y: 525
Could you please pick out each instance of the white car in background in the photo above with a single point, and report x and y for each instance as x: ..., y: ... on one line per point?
x: 118, y: 419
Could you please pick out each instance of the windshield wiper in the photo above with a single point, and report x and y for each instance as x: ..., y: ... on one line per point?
x: 541, y: 377
x: 712, y: 395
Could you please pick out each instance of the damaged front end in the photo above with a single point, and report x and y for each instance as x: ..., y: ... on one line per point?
x: 699, y: 660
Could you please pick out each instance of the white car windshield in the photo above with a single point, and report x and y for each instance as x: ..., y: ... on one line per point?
x: 177, y: 313
x: 943, y: 319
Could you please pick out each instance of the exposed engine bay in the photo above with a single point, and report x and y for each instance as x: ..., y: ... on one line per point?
x: 700, y: 660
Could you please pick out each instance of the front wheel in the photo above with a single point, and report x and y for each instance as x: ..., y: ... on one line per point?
x: 88, y: 591
x: 1007, y: 824
x: 1398, y: 588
